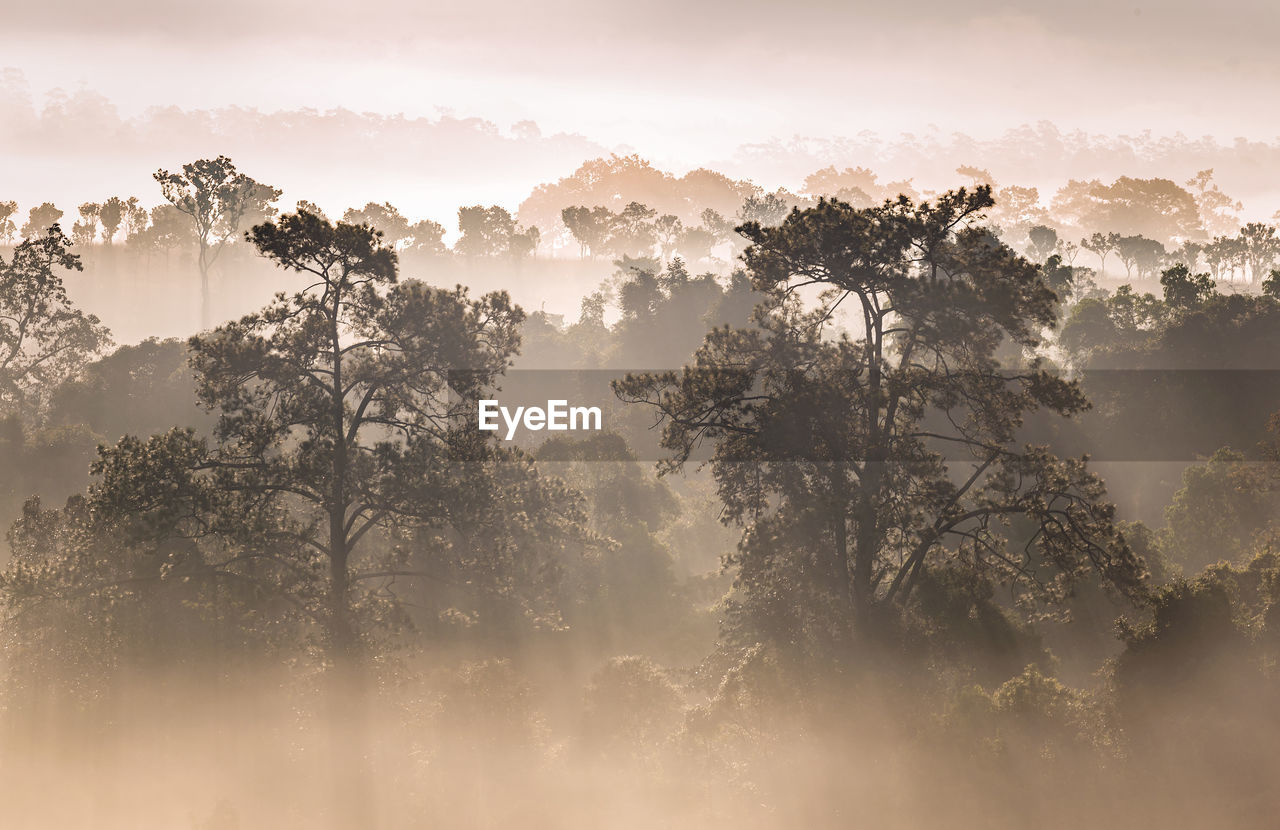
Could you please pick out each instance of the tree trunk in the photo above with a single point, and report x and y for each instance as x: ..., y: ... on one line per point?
x: 864, y: 552
x: 205, y: 317
x: 352, y: 786
x: 866, y: 542
x: 353, y: 805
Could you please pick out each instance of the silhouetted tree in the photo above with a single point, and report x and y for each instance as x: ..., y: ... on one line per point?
x: 721, y: 229
x: 220, y: 201
x: 1101, y: 244
x: 304, y: 206
x: 1188, y: 253
x: 385, y: 218
x: 1141, y: 253
x: 667, y: 230
x: 1271, y: 285
x: 1222, y: 504
x: 136, y: 217
x: 356, y: 356
x: 1218, y: 212
x: 633, y: 232
x: 492, y: 232
x: 7, y: 226
x: 1017, y: 209
x: 339, y: 413
x: 1154, y: 208
x: 1042, y: 240
x: 696, y: 244
x: 835, y: 451
x: 1260, y: 248
x: 85, y: 231
x: 40, y: 220
x: 427, y: 238
x: 44, y: 339
x: 1223, y: 252
x: 768, y: 210
x: 1183, y: 289
x: 591, y: 227
x: 111, y: 214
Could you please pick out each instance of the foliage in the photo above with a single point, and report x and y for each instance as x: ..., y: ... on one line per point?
x: 219, y: 201
x: 44, y: 339
x: 492, y: 232
x: 631, y: 710
x: 1184, y: 290
x: 843, y: 456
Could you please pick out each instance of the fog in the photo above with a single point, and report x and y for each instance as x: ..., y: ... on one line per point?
x: 936, y: 474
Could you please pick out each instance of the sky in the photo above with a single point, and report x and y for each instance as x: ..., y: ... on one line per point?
x: 684, y: 84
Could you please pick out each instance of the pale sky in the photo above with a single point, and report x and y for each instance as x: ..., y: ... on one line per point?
x: 682, y: 83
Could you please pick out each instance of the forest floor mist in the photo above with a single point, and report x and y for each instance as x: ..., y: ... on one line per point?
x: 490, y: 745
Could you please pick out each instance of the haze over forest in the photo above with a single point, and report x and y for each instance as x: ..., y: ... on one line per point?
x: 483, y: 103
x: 936, y: 356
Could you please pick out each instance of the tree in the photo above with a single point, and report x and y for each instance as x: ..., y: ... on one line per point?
x: 1069, y: 251
x: 1224, y: 252
x: 831, y: 182
x: 633, y: 603
x: 633, y: 232
x: 40, y: 220
x: 1260, y: 248
x: 1185, y: 290
x: 1060, y: 278
x: 384, y: 217
x: 1125, y: 318
x: 1222, y: 504
x: 1075, y: 202
x: 1141, y: 253
x: 137, y: 389
x: 843, y: 457
x: 7, y: 227
x: 613, y: 183
x: 349, y: 363
x: 427, y: 237
x: 111, y: 214
x: 630, y: 708
x: 1018, y: 208
x: 1188, y: 254
x: 1042, y: 242
x: 345, y: 457
x: 719, y: 226
x: 220, y: 201
x: 768, y: 210
x: 696, y: 244
x: 305, y: 206
x: 1271, y: 285
x: 136, y: 217
x: 667, y: 229
x: 1218, y: 212
x: 492, y: 232
x: 524, y: 243
x: 856, y: 185
x: 591, y: 227
x: 977, y: 176
x: 44, y: 339
x: 165, y: 230
x: 85, y: 230
x: 1155, y: 208
x: 1101, y: 244
x: 344, y: 412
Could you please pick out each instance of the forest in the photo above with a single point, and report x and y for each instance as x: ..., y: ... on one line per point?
x: 909, y: 508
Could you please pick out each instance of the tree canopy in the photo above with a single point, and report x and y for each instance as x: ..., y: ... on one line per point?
x: 879, y: 456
